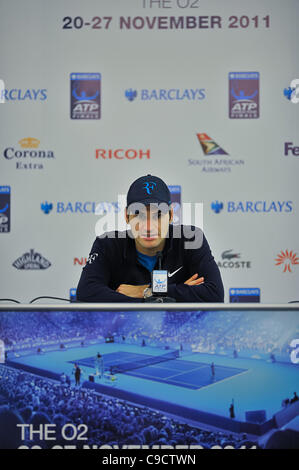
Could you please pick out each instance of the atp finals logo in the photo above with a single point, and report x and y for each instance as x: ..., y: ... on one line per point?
x: 85, y: 96
x: 287, y: 259
x: 244, y: 101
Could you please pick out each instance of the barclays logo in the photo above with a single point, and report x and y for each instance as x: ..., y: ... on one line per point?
x: 88, y: 207
x: 245, y: 295
x: 163, y: 95
x: 46, y: 207
x: 131, y: 94
x: 253, y: 207
x: 17, y: 94
x: 217, y: 207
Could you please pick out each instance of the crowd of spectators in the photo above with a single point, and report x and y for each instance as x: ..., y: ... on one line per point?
x: 207, y: 332
x: 36, y: 400
x: 33, y: 400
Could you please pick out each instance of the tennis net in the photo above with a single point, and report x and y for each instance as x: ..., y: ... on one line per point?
x: 145, y: 361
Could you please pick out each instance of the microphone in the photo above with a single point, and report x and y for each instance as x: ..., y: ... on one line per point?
x: 159, y: 283
x: 159, y: 258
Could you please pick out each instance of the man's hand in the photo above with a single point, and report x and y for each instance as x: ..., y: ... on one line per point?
x: 137, y: 291
x: 192, y: 281
x: 132, y: 291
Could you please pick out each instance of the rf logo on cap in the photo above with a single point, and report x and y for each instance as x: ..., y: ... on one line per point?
x: 149, y: 186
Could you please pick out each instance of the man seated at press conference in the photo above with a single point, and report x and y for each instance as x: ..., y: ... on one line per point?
x: 120, y: 264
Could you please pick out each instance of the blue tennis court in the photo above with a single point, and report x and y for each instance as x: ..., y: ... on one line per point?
x: 186, y: 381
x: 182, y: 373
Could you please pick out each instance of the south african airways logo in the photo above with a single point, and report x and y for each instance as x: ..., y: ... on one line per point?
x: 209, y: 146
x: 216, y: 159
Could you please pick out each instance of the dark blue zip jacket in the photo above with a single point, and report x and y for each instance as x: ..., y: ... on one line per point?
x: 113, y: 261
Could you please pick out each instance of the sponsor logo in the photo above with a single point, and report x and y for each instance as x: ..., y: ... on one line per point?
x: 17, y: 94
x: 73, y: 294
x: 83, y: 260
x: 216, y: 158
x: 175, y: 198
x: 289, y: 147
x: 174, y: 272
x: 232, y: 260
x: 209, y: 146
x: 130, y: 94
x: 92, y: 257
x: 29, y: 156
x: 46, y: 207
x: 163, y: 95
x: 78, y: 207
x: 244, y: 95
x: 121, y: 154
x: 287, y: 259
x: 292, y: 92
x: 4, y: 209
x: 85, y: 95
x: 149, y: 187
x: 80, y: 261
x: 217, y: 207
x: 244, y: 294
x: 253, y: 207
x: 31, y: 260
x: 159, y: 281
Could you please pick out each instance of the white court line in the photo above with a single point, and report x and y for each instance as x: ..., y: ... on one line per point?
x: 185, y: 372
x: 159, y: 379
x: 173, y: 368
x: 191, y: 384
x: 226, y: 378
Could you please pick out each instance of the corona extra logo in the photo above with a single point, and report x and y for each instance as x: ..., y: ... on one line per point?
x: 29, y: 142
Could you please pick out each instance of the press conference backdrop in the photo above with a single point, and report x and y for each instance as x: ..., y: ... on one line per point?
x: 202, y: 93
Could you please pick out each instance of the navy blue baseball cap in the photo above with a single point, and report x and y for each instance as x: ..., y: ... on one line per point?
x: 148, y: 189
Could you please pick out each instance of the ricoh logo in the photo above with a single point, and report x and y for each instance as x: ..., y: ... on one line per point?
x: 2, y: 352
x: 295, y: 353
x: 121, y: 154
